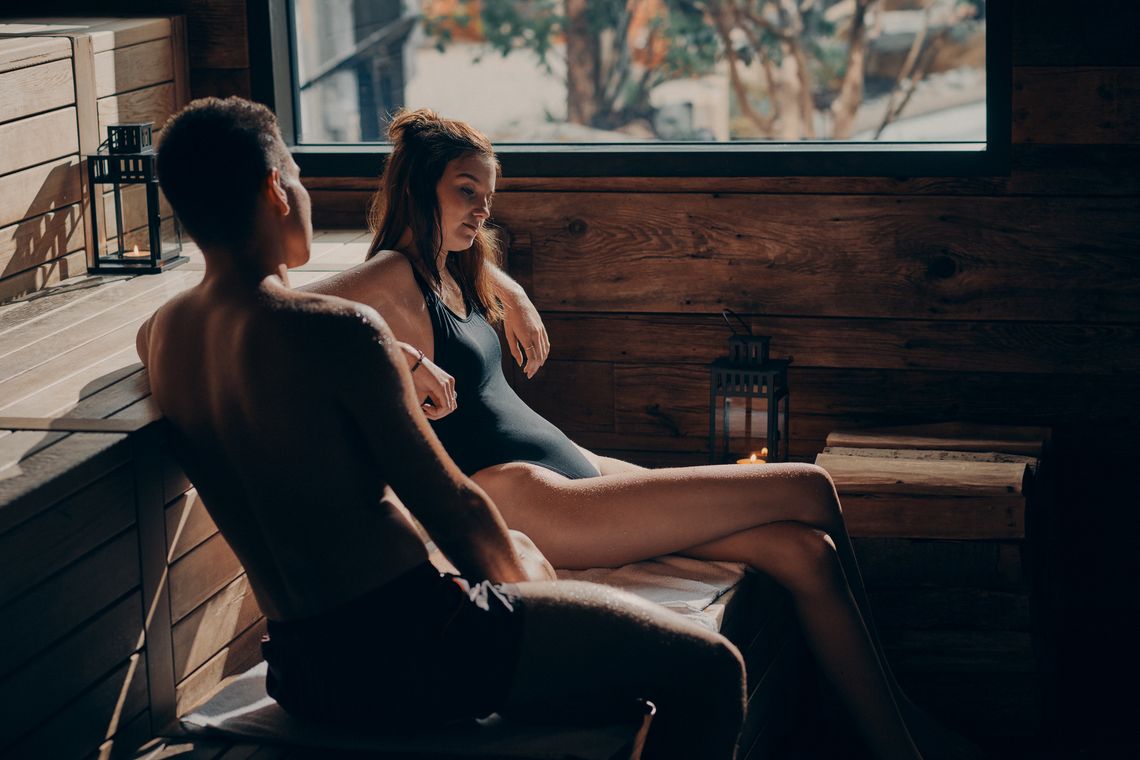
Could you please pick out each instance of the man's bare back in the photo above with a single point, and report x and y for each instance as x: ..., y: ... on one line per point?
x: 280, y: 461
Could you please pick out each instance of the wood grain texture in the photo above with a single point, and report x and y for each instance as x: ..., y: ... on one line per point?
x: 201, y: 574
x: 50, y: 611
x: 951, y: 608
x: 213, y: 626
x: 241, y: 654
x: 111, y: 706
x: 918, y: 478
x: 21, y: 52
x: 1082, y: 105
x: 54, y: 539
x: 954, y: 436
x: 894, y: 563
x: 187, y: 524
x: 36, y: 89
x: 44, y: 685
x: 154, y: 104
x: 867, y: 256
x: 40, y: 239
x: 37, y: 278
x: 40, y: 189
x: 220, y: 83
x: 131, y: 68
x: 1043, y: 347
x: 36, y: 139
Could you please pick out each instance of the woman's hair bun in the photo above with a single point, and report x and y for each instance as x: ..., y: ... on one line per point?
x: 407, y: 125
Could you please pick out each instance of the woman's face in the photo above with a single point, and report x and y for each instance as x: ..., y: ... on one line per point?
x: 465, y: 191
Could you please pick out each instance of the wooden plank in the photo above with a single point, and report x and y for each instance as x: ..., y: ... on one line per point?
x: 13, y: 316
x: 915, y: 477
x: 131, y: 735
x: 213, y: 625
x: 112, y: 706
x: 220, y: 83
x: 948, y: 436
x: 66, y: 531
x: 960, y: 651
x: 43, y: 686
x: 32, y: 141
x: 957, y: 258
x: 96, y: 299
x: 188, y: 524
x: 242, y: 654
x: 20, y: 52
x: 942, y: 517
x: 133, y: 67
x: 133, y: 309
x: 1045, y: 347
x: 39, y: 482
x: 41, y: 239
x: 54, y: 272
x: 1096, y: 104
x: 218, y: 35
x: 201, y: 574
x: 40, y: 189
x: 932, y: 454
x: 891, y: 563
x: 180, y: 60
x: 154, y: 104
x: 36, y: 89
x: 1048, y: 33
x: 120, y: 32
x: 986, y: 704
x: 951, y: 608
x: 60, y: 605
x: 69, y: 425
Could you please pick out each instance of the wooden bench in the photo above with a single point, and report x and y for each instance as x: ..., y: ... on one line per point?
x: 123, y: 606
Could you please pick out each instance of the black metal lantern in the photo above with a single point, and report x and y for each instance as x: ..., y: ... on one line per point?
x: 748, y: 401
x: 129, y: 159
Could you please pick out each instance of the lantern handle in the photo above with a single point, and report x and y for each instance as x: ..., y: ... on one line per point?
x: 725, y: 314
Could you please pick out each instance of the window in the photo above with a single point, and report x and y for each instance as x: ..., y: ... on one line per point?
x: 651, y: 87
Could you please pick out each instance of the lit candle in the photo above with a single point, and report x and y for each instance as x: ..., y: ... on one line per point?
x: 137, y: 254
x: 757, y: 457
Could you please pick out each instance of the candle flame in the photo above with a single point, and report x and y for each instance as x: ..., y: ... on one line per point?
x: 753, y: 457
x: 135, y: 252
x: 763, y: 452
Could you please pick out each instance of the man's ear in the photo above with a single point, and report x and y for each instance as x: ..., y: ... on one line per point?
x: 275, y: 192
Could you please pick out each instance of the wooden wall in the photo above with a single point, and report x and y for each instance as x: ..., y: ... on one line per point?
x: 216, y: 34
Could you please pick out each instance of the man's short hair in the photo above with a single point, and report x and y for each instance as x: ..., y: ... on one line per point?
x: 214, y: 156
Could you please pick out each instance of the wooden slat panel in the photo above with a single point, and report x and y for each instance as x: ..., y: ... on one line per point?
x: 65, y: 532
x: 927, y: 258
x: 201, y: 574
x: 1055, y: 348
x: 32, y: 141
x: 957, y: 651
x: 953, y: 436
x: 1076, y: 105
x: 53, y: 272
x: 129, y: 68
x: 154, y: 104
x: 949, y: 608
x: 132, y: 735
x: 188, y: 524
x: 942, y: 517
x: 38, y: 483
x: 40, y: 189
x: 39, y: 689
x: 132, y: 311
x: 917, y: 477
x: 36, y: 89
x: 13, y: 316
x: 41, y: 239
x: 220, y: 83
x: 43, y: 616
x: 84, y: 724
x: 217, y: 34
x: 900, y: 562
x: 242, y: 654
x: 20, y: 52
x: 213, y: 625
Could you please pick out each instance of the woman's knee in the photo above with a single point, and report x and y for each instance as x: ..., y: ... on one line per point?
x: 806, y: 560
x: 815, y: 489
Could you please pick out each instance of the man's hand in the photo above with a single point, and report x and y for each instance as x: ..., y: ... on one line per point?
x: 431, y: 383
x: 534, y: 563
x: 526, y: 335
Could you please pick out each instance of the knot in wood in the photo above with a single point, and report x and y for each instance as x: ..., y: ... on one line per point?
x: 576, y: 227
x: 941, y: 268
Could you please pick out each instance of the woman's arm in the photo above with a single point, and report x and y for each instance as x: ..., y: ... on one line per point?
x: 522, y: 326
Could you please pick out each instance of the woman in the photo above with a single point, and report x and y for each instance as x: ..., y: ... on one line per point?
x: 430, y: 273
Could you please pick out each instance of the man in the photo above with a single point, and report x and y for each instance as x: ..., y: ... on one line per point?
x: 296, y: 417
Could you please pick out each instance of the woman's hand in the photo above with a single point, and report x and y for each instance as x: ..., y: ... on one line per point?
x: 535, y: 565
x: 431, y: 383
x: 526, y: 335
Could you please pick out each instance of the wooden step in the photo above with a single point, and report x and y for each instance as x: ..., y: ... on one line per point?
x: 948, y: 436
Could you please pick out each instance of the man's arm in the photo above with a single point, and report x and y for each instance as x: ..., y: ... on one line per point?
x: 458, y: 515
x: 142, y: 340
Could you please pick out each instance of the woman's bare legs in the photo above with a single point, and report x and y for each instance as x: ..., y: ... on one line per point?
x: 781, y: 519
x: 591, y: 650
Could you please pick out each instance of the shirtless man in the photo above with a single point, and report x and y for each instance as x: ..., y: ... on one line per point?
x: 297, y: 418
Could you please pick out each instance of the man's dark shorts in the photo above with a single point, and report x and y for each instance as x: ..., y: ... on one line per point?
x: 424, y: 649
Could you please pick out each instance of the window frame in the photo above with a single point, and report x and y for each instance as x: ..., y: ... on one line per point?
x: 273, y: 71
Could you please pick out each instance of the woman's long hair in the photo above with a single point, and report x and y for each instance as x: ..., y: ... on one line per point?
x: 423, y: 143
